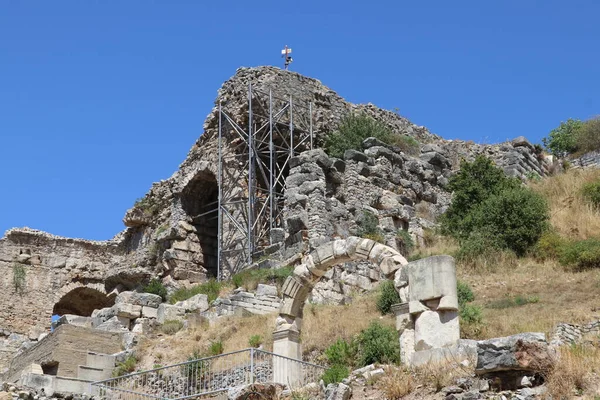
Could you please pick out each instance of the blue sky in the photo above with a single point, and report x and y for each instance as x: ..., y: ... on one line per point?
x: 98, y: 99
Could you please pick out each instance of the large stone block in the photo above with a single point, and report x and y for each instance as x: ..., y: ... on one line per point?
x: 432, y: 278
x: 139, y: 299
x: 168, y: 312
x: 126, y: 310
x: 266, y: 290
x: 198, y: 302
x: 435, y: 329
x: 521, y: 352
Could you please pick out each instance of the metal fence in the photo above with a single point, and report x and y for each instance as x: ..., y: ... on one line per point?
x: 210, y: 375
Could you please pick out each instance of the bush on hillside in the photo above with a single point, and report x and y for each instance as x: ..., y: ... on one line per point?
x: 387, y: 297
x: 580, y: 255
x: 549, y: 246
x: 563, y: 139
x: 156, y: 287
x: 470, y: 314
x: 591, y: 193
x: 406, y: 242
x: 464, y: 293
x: 407, y: 144
x: 379, y: 344
x: 351, y: 132
x: 335, y: 374
x: 341, y: 353
x: 490, y: 210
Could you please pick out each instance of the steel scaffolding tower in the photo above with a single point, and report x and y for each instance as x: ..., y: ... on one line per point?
x: 252, y: 168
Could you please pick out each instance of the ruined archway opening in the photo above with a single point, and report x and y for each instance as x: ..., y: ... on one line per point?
x: 82, y: 301
x: 200, y: 202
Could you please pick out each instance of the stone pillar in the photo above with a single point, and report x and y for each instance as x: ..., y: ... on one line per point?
x: 406, y: 331
x: 286, y: 344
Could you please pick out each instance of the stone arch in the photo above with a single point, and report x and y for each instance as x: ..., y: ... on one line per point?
x: 81, y: 299
x: 298, y: 286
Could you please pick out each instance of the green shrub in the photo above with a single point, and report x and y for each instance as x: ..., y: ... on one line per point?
x: 490, y: 210
x: 464, y: 293
x: 193, y: 368
x: 591, y: 193
x: 351, y: 132
x: 250, y: 278
x: 387, y: 297
x: 368, y: 227
x: 406, y: 241
x: 341, y: 353
x: 471, y: 314
x: 210, y: 288
x: 216, y: 348
x: 378, y: 343
x: 335, y: 374
x: 255, y: 341
x: 125, y: 367
x: 407, y: 144
x: 156, y: 287
x: 580, y: 255
x: 171, y: 327
x: 563, y: 139
x: 549, y: 246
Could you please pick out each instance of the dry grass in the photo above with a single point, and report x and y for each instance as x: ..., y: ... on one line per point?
x: 575, y: 373
x: 397, y: 383
x: 571, y: 215
x: 563, y: 297
x: 440, y: 375
x: 324, y: 324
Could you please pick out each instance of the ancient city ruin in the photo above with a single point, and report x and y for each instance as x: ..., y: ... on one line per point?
x: 257, y: 183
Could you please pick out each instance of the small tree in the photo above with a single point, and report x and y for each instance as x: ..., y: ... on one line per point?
x: 351, y: 132
x: 563, y: 139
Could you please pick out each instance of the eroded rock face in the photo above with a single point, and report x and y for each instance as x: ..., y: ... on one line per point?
x: 521, y: 352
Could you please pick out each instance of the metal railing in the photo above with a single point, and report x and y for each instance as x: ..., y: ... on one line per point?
x: 210, y: 375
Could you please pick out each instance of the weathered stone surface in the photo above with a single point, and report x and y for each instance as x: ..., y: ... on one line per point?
x: 115, y: 324
x: 521, y: 352
x: 168, y: 312
x: 126, y: 310
x: 433, y: 278
x: 198, y: 302
x: 339, y: 391
x: 266, y: 290
x: 436, y: 329
x: 139, y: 299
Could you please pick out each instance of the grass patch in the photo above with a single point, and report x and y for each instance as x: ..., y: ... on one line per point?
x: 156, y: 287
x: 250, y: 278
x: 125, y: 367
x: 211, y: 288
x: 171, y: 327
x: 575, y: 372
x: 509, y: 302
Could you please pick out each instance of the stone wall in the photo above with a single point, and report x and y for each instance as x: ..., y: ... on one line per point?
x: 588, y: 160
x: 567, y: 334
x: 68, y: 345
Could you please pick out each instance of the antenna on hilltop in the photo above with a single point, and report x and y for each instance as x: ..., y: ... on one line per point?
x: 285, y: 53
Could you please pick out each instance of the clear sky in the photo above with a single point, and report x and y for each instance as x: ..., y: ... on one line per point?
x: 98, y: 99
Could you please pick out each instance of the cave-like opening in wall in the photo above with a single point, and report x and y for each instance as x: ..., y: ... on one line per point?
x: 82, y: 301
x: 200, y: 202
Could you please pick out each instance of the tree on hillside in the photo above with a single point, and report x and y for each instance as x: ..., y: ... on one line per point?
x: 491, y: 208
x: 563, y: 139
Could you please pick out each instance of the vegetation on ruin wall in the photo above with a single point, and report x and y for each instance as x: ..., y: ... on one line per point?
x: 19, y: 275
x: 574, y: 137
x: 355, y: 128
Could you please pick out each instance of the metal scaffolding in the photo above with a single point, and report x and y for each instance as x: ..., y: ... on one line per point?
x: 253, y: 165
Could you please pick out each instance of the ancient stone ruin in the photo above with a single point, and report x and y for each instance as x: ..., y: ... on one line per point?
x: 257, y: 184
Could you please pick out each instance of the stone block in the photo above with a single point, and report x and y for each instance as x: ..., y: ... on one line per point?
x: 521, y: 352
x: 139, y: 299
x: 168, y: 312
x: 433, y: 278
x: 435, y: 329
x: 76, y: 320
x: 198, y: 302
x: 464, y: 351
x: 126, y: 310
x: 115, y: 324
x: 149, y: 312
x: 266, y: 290
x: 363, y: 248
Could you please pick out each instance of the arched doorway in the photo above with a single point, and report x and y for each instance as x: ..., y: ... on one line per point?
x: 199, y: 200
x: 82, y: 301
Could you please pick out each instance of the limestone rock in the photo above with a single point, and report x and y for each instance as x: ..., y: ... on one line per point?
x: 266, y: 290
x: 198, y: 302
x: 139, y: 299
x: 338, y: 391
x: 521, y: 352
x: 168, y: 312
